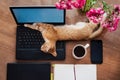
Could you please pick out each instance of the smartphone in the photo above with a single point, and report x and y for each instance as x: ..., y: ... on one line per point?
x: 96, y: 50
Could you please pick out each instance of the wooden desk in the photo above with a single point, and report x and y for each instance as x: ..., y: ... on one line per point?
x: 109, y: 70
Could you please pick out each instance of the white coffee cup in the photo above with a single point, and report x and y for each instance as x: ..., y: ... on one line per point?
x: 79, y: 51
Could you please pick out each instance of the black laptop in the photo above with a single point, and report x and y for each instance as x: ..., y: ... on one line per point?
x: 28, y: 71
x: 28, y: 41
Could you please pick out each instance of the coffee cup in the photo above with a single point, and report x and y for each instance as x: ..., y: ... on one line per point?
x: 79, y: 51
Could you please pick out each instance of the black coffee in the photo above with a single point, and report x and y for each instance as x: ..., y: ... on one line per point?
x: 79, y: 51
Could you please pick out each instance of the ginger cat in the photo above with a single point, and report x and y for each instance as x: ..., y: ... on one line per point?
x: 78, y: 31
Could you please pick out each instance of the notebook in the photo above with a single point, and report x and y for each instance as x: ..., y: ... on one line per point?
x: 29, y: 41
x: 75, y: 72
x: 28, y: 71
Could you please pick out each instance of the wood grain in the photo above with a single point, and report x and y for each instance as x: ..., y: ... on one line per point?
x: 109, y: 70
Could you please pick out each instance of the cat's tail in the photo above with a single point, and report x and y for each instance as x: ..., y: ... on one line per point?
x: 100, y: 29
x: 96, y: 33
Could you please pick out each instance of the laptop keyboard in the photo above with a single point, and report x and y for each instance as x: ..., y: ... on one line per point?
x: 31, y: 39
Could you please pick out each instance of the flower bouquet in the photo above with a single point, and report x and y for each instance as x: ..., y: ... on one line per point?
x: 94, y: 13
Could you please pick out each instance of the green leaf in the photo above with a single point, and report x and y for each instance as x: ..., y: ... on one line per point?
x: 106, y: 7
x: 89, y: 4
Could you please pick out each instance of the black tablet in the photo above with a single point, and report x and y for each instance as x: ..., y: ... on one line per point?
x: 28, y: 71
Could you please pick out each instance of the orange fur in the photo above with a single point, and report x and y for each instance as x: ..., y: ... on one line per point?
x: 51, y: 33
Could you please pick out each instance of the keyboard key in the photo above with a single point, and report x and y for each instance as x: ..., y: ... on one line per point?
x: 28, y: 38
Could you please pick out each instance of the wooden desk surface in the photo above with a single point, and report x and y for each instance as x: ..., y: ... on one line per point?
x: 109, y: 70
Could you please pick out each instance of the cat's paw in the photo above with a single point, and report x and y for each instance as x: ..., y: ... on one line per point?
x: 34, y: 24
x: 26, y: 25
x: 45, y: 48
x: 54, y: 54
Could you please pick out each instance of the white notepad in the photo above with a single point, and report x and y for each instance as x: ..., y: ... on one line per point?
x: 75, y: 72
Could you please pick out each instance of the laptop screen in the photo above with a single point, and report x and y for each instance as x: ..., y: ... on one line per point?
x: 38, y: 14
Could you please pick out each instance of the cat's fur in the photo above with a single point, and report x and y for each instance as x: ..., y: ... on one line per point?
x: 51, y: 33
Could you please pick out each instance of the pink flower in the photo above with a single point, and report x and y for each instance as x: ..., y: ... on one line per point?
x: 112, y: 22
x: 117, y: 8
x: 64, y: 4
x: 61, y: 4
x: 111, y: 25
x: 95, y: 15
x: 79, y: 3
x: 75, y: 4
x: 116, y: 11
x: 69, y: 4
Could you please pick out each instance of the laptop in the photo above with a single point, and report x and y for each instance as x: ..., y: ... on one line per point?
x: 28, y: 41
x: 28, y: 71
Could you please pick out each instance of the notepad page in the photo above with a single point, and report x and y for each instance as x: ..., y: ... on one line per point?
x: 85, y: 72
x: 63, y: 72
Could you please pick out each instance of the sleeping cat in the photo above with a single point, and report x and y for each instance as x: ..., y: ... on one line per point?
x: 78, y: 31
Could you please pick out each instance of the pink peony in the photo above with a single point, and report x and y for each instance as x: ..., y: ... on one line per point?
x: 64, y: 4
x: 69, y: 4
x: 111, y: 25
x: 79, y: 3
x: 117, y: 8
x: 116, y: 11
x: 61, y: 5
x: 95, y: 15
x: 112, y: 22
